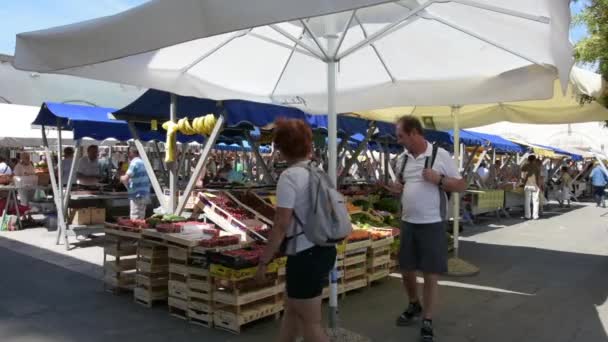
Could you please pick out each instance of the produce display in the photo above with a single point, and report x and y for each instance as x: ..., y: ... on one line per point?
x: 231, y: 207
x: 254, y: 202
x: 220, y: 241
x: 239, y: 258
x: 358, y: 235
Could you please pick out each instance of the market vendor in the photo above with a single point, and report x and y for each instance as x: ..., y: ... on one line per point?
x: 138, y: 185
x: 25, y: 167
x: 89, y: 172
x: 66, y: 165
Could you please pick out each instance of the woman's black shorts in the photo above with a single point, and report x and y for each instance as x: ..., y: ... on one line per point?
x: 308, y: 272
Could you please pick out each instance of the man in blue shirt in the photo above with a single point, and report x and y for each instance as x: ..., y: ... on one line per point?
x: 138, y: 185
x: 599, y: 179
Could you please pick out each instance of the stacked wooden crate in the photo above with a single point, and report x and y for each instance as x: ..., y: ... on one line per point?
x: 352, y: 266
x: 121, y: 248
x: 238, y: 299
x: 200, y: 293
x: 152, y: 270
x: 379, y: 259
x: 178, y: 281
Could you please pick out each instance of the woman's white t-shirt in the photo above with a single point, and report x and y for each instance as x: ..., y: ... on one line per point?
x: 293, y: 191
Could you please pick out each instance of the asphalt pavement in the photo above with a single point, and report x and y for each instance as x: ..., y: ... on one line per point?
x: 543, y: 280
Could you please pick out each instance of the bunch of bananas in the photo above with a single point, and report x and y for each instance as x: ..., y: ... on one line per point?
x: 202, y: 125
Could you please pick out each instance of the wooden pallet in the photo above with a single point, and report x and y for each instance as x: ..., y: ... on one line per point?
x: 238, y: 298
x: 149, y: 296
x: 234, y: 320
x: 382, y: 242
x: 120, y: 282
x: 178, y: 307
x: 120, y: 265
x: 112, y: 229
x: 178, y: 289
x: 151, y: 281
x: 378, y: 274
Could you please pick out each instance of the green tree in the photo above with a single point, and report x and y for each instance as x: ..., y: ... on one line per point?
x: 593, y: 48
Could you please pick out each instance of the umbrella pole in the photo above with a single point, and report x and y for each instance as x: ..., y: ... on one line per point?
x: 173, y: 166
x: 456, y: 196
x: 457, y: 266
x: 332, y: 127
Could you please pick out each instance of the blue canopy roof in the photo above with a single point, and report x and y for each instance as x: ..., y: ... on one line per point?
x: 573, y: 156
x: 351, y: 125
x: 94, y: 123
x: 483, y: 139
x: 154, y: 105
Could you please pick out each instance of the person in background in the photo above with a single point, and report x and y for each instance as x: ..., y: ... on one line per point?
x: 5, y: 169
x: 599, y: 179
x: 483, y: 172
x: 13, y: 162
x: 423, y: 186
x: 531, y: 180
x: 308, y: 265
x: 544, y: 180
x: 138, y: 185
x: 105, y: 166
x: 566, y: 185
x: 66, y: 165
x: 25, y: 167
x: 88, y: 167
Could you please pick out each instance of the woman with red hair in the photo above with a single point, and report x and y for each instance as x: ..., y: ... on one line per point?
x: 308, y: 265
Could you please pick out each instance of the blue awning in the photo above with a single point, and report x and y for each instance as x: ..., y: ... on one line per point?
x: 351, y: 125
x: 94, y: 123
x: 154, y: 105
x: 470, y: 138
x: 573, y: 156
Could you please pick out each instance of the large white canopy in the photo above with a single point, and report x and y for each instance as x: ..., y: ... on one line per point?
x: 32, y: 89
x: 17, y: 129
x: 433, y: 52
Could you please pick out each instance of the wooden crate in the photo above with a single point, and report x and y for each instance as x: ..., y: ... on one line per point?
x: 149, y: 296
x: 178, y: 289
x: 119, y: 263
x: 178, y: 307
x: 200, y: 296
x: 233, y: 319
x: 378, y: 273
x: 238, y: 298
x: 149, y: 281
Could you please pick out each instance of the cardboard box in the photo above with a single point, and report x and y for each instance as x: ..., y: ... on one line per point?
x: 82, y: 216
x: 98, y: 215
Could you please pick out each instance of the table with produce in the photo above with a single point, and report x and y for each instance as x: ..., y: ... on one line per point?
x: 202, y: 266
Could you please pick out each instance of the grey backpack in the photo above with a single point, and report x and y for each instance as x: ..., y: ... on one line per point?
x: 327, y: 222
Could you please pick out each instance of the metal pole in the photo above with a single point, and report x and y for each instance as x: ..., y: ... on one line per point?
x: 332, y: 127
x: 61, y: 225
x: 59, y: 166
x: 163, y: 170
x: 200, y: 165
x: 456, y: 196
x: 173, y: 166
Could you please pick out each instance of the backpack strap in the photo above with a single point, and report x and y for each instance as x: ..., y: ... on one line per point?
x: 402, y: 168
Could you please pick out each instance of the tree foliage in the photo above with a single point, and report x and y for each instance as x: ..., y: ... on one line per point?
x: 594, y: 47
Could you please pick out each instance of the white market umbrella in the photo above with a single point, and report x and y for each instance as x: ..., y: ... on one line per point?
x: 434, y: 52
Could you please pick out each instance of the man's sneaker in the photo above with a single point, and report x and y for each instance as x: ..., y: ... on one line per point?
x: 426, y: 332
x: 410, y: 315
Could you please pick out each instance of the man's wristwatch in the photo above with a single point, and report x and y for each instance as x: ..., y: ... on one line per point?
x: 441, y: 178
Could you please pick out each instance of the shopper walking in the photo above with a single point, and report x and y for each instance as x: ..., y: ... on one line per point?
x: 426, y: 174
x: 531, y: 179
x: 599, y: 179
x: 308, y: 265
x: 565, y: 181
x: 138, y: 185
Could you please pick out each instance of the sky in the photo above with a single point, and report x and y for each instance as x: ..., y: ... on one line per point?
x: 30, y: 15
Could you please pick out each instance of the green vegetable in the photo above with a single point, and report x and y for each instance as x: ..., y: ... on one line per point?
x: 173, y: 218
x: 365, y: 205
x: 392, y: 205
x: 366, y: 219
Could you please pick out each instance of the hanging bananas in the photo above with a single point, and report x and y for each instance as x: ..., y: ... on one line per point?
x: 202, y: 125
